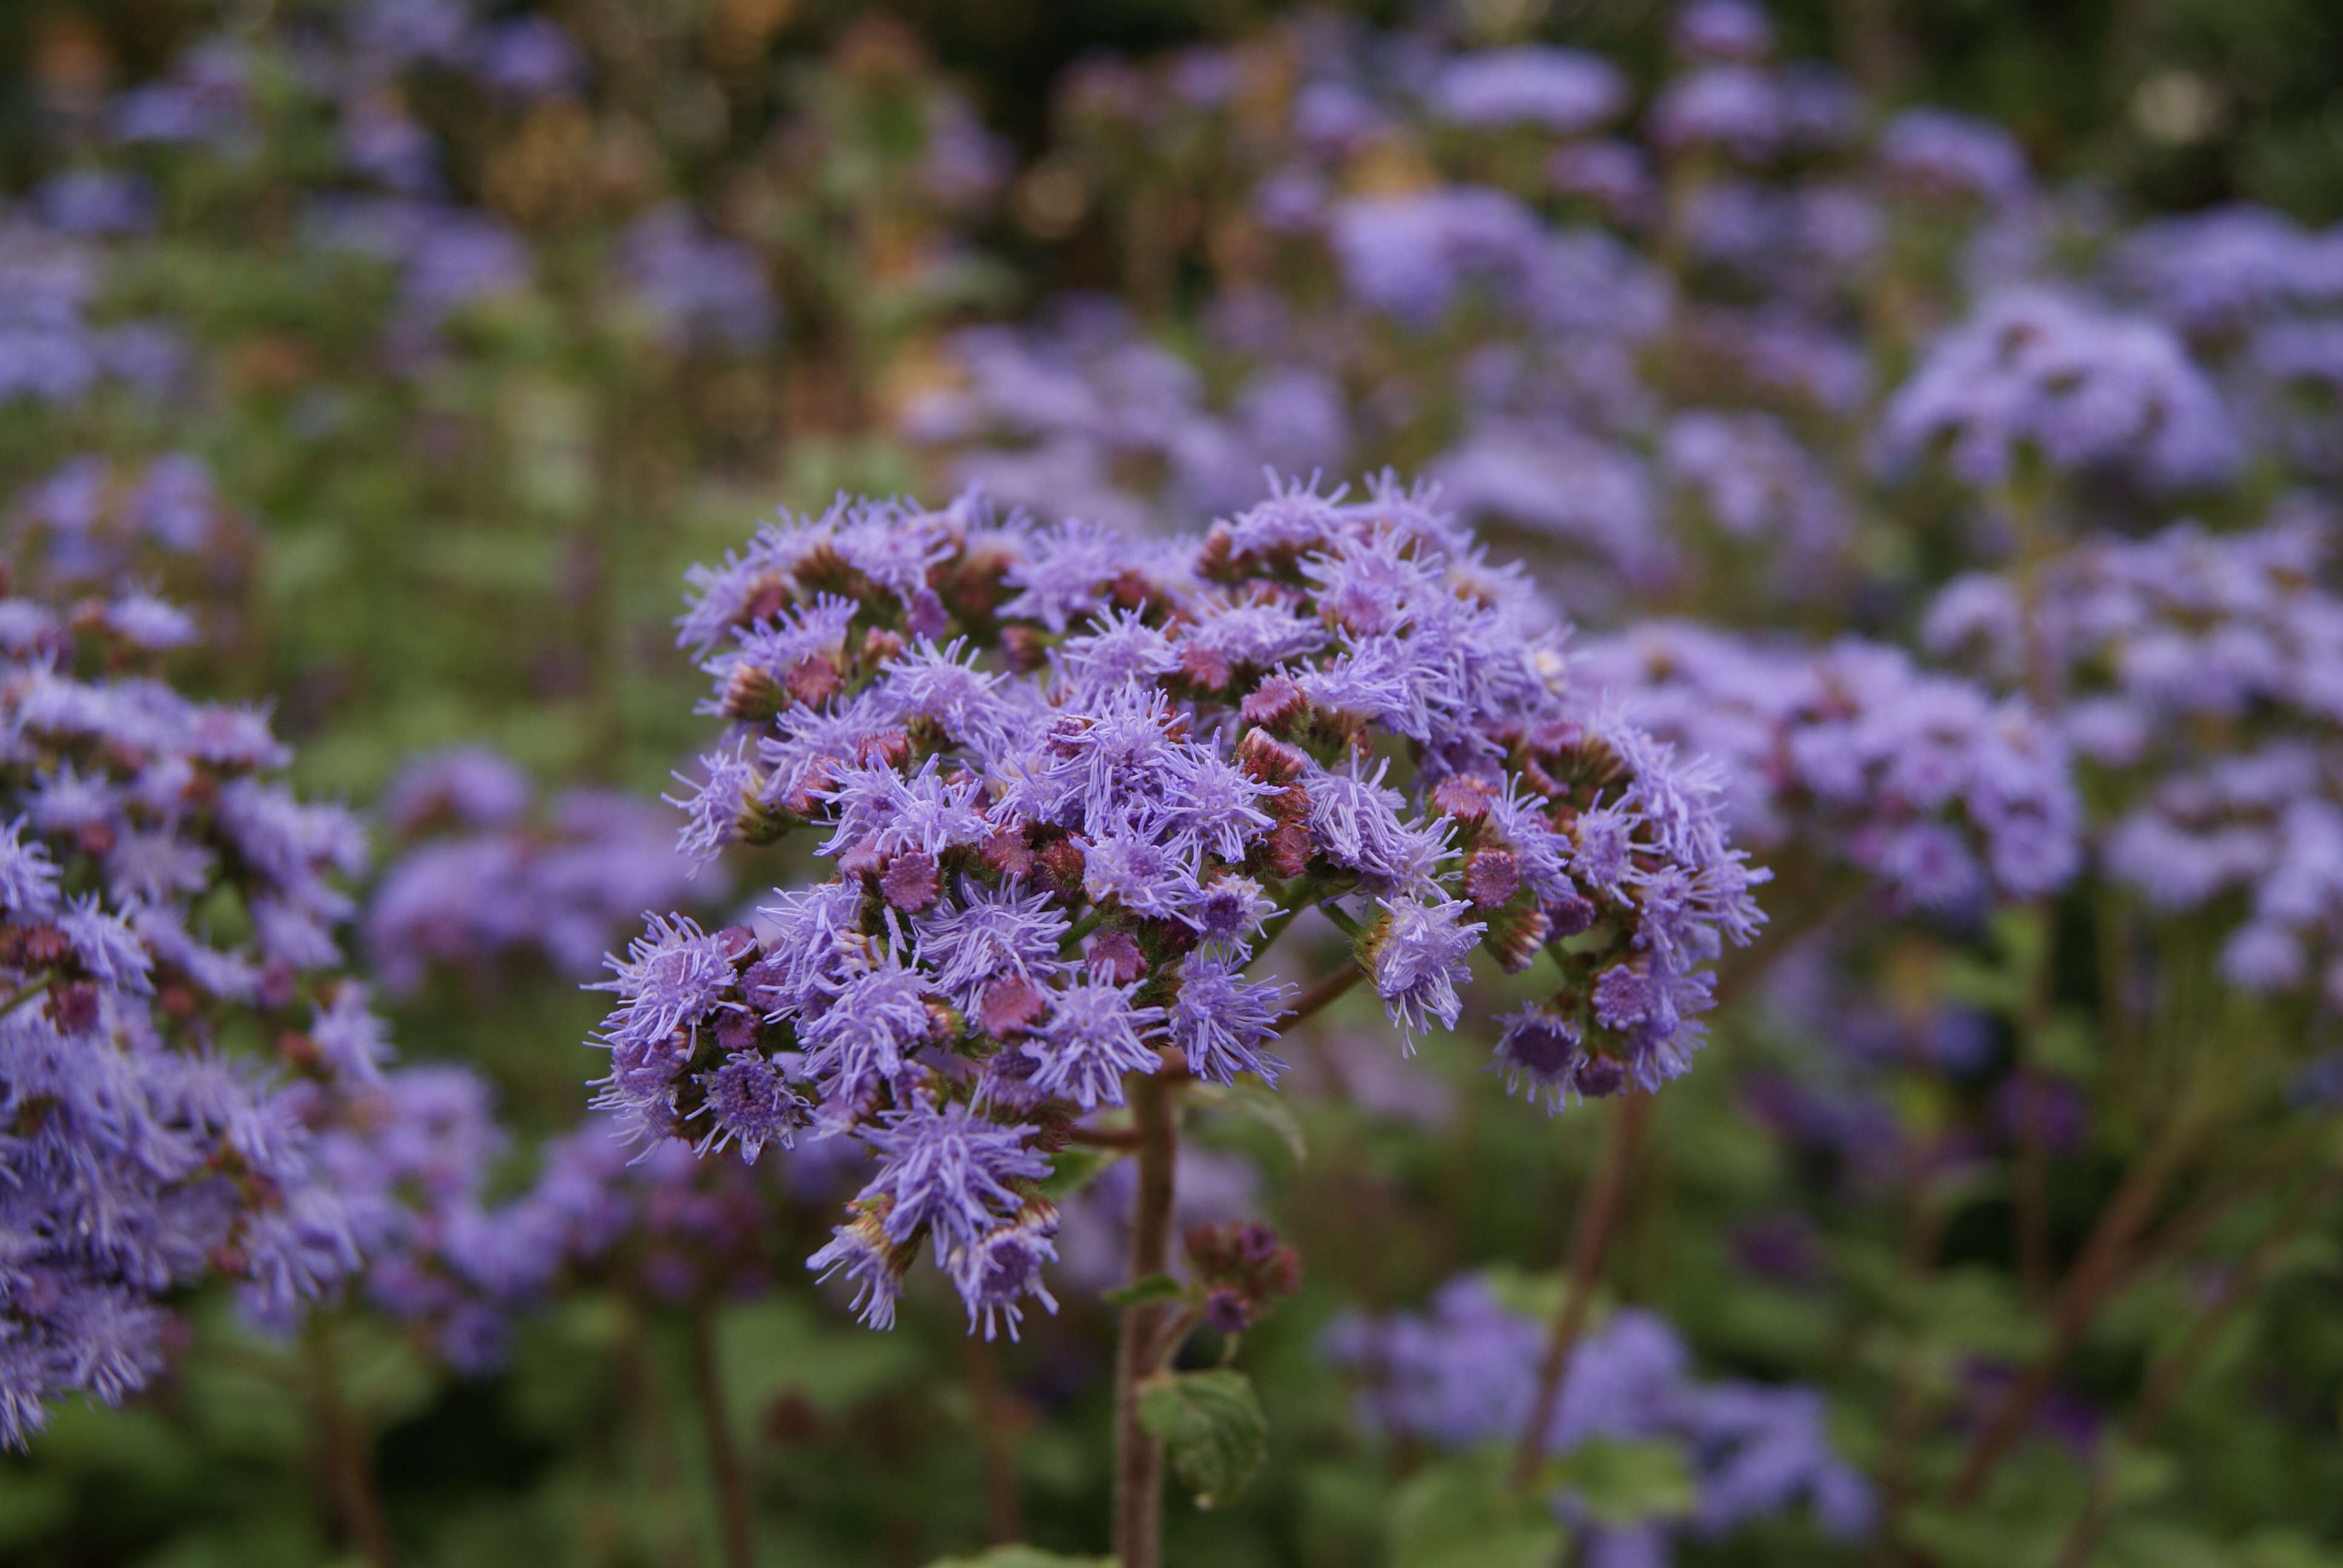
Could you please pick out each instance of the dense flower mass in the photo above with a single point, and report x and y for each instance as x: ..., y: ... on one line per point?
x: 1943, y: 794
x: 1054, y: 866
x: 481, y: 876
x: 390, y: 355
x: 164, y: 894
x: 2043, y: 375
x: 2202, y: 675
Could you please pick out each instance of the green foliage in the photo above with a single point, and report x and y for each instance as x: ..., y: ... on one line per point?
x: 1212, y: 1428
x: 1620, y: 1483
x: 1466, y: 1511
x: 1138, y: 1292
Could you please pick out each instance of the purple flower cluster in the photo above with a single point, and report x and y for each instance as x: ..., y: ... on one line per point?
x: 1941, y: 794
x: 92, y: 523
x: 1464, y: 1372
x: 50, y: 351
x: 410, y: 1159
x: 1079, y: 416
x: 1055, y: 862
x: 2221, y: 273
x: 1935, y: 156
x: 2038, y: 375
x: 698, y: 288
x: 1562, y: 91
x: 1751, y: 480
x: 2204, y: 674
x: 447, y: 259
x: 161, y: 894
x: 481, y: 878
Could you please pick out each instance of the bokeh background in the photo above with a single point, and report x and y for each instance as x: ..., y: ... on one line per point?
x: 420, y: 345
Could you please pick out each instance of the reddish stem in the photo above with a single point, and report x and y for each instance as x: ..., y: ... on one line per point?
x: 1138, y: 1456
x: 1598, y: 1218
x: 2093, y: 1277
x: 2179, y: 1369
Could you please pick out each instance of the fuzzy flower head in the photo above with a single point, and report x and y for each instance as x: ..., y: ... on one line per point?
x: 1065, y: 785
x: 143, y: 1155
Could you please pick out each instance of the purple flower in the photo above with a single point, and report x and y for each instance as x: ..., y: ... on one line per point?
x: 871, y: 1265
x: 2037, y: 371
x: 988, y: 934
x: 674, y: 976
x: 1222, y: 1022
x: 698, y: 288
x: 1418, y: 954
x: 1941, y: 156
x: 1092, y: 1037
x: 946, y: 1172
x: 999, y: 1269
x: 1559, y: 90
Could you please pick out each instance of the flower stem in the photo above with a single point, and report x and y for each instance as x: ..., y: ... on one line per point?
x: 997, y: 1422
x: 1923, y: 1224
x: 1138, y: 1456
x: 349, y: 1464
x: 2031, y: 1189
x: 25, y: 994
x: 1598, y: 1217
x: 734, y: 1514
x: 2175, y: 1372
x: 1320, y: 994
x: 2095, y: 1276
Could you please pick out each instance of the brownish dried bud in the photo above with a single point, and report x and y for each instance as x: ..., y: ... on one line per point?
x: 1289, y: 849
x: 1204, y: 667
x: 1515, y: 934
x: 1463, y: 798
x: 1269, y: 760
x: 1006, y: 852
x: 1116, y: 953
x: 1061, y: 862
x: 1492, y: 877
x: 1277, y: 702
x: 1008, y: 1006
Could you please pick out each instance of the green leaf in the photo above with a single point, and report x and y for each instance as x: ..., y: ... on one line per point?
x: 1620, y: 1483
x: 1268, y: 1107
x: 1071, y: 1169
x: 1138, y: 1292
x: 1212, y: 1430
x: 1021, y: 1557
x: 1465, y: 1512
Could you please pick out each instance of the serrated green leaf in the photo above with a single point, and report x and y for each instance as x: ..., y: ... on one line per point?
x: 1021, y: 1557
x: 1212, y: 1428
x: 1138, y: 1292
x: 1465, y: 1512
x: 1620, y: 1483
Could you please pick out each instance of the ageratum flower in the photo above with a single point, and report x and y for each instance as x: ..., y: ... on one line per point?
x: 161, y: 894
x: 2040, y: 373
x: 1067, y: 779
x: 2202, y: 677
x: 481, y: 879
x: 1939, y: 792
